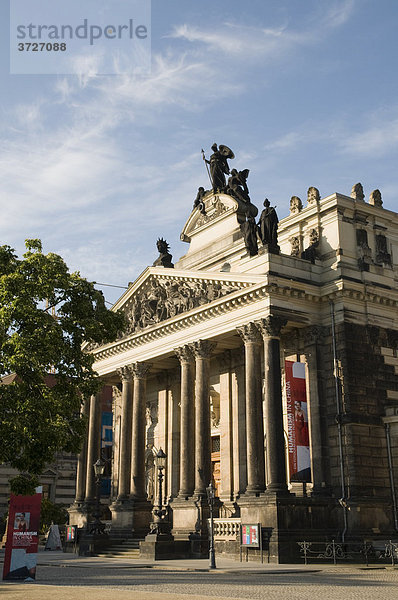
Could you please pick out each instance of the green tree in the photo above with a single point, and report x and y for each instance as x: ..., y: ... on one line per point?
x: 40, y: 414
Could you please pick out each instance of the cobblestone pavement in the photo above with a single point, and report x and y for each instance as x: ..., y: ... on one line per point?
x: 117, y: 581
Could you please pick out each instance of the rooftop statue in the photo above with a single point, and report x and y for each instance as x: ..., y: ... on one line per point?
x: 218, y: 166
x: 249, y: 230
x: 237, y: 185
x: 198, y: 202
x: 164, y: 258
x: 268, y: 225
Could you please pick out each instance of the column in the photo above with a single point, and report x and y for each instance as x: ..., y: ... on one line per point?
x: 227, y: 450
x: 202, y: 350
x: 187, y: 431
x: 93, y: 445
x: 254, y: 410
x: 270, y: 328
x: 239, y: 444
x: 310, y: 336
x: 137, y: 489
x: 117, y: 417
x: 125, y: 374
x: 82, y: 460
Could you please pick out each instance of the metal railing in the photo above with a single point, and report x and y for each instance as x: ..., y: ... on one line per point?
x: 385, y: 551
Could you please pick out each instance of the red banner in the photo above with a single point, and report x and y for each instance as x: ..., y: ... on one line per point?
x: 22, y: 537
x: 297, y: 421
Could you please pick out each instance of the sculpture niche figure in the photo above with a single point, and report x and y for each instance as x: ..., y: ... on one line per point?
x: 268, y: 225
x: 219, y: 166
x: 164, y: 258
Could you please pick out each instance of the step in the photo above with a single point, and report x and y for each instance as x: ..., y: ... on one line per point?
x: 126, y: 555
x: 122, y: 549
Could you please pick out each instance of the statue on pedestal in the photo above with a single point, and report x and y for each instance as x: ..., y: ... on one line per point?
x: 268, y: 225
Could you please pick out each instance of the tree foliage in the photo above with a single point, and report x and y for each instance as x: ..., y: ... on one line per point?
x: 40, y: 414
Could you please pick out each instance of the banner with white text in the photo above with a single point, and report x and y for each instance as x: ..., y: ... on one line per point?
x: 22, y: 538
x: 297, y: 420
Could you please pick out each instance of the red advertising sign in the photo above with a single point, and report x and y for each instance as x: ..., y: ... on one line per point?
x: 297, y: 422
x: 22, y: 537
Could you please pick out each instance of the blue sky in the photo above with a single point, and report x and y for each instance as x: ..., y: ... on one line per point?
x: 304, y: 91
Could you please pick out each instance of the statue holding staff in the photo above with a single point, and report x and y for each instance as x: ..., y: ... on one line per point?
x: 218, y: 166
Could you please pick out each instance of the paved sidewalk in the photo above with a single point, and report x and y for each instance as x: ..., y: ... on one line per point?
x: 69, y: 577
x: 223, y: 564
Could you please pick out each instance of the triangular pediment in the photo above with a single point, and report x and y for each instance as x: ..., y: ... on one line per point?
x: 160, y: 295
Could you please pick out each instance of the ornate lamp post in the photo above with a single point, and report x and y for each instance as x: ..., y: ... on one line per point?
x: 158, y: 525
x: 210, y: 498
x: 99, y: 468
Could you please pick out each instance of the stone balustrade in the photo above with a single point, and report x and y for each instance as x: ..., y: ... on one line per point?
x: 226, y: 529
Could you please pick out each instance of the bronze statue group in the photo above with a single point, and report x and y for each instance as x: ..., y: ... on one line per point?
x: 236, y: 186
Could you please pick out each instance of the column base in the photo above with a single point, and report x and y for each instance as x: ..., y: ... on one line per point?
x: 256, y: 492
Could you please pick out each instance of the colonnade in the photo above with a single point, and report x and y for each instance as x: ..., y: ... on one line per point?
x: 195, y: 430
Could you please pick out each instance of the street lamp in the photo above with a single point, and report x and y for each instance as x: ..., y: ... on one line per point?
x: 160, y: 512
x: 99, y: 468
x: 210, y: 498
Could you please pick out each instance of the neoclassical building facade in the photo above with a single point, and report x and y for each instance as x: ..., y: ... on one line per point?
x: 204, y: 371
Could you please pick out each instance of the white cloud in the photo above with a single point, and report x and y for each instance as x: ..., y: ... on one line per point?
x: 254, y: 44
x: 338, y: 13
x: 377, y: 140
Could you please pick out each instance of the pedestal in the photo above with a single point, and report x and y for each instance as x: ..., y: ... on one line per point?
x: 78, y: 514
x: 130, y: 518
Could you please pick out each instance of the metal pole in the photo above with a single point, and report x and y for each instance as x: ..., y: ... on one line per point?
x: 339, y: 426
x: 211, y: 550
x: 207, y: 168
x: 210, y: 499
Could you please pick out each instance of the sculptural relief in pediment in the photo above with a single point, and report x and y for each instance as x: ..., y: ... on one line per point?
x: 160, y: 299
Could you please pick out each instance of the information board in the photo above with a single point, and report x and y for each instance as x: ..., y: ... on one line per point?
x: 250, y: 535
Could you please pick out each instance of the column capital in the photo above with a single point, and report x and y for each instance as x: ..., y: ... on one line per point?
x: 271, y: 326
x: 249, y: 333
x: 203, y: 348
x: 125, y: 373
x: 184, y: 354
x: 141, y: 369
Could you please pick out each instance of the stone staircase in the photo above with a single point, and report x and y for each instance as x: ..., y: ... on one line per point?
x: 128, y: 549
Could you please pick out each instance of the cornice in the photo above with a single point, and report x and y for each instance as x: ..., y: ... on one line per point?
x: 246, y: 295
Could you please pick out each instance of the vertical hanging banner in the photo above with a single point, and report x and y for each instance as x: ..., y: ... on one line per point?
x: 22, y: 537
x: 297, y: 420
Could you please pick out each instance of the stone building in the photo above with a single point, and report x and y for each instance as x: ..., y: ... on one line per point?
x: 205, y: 371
